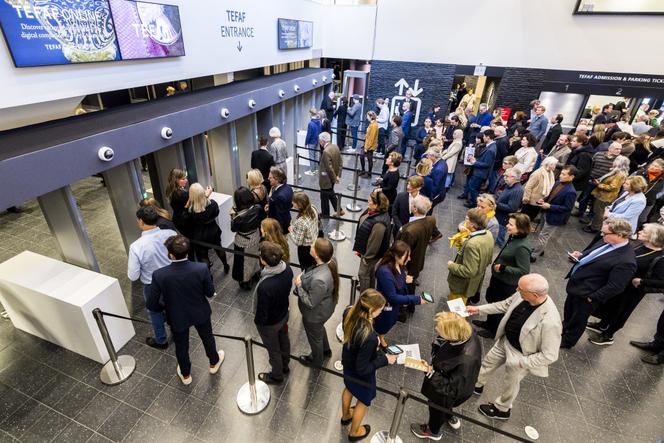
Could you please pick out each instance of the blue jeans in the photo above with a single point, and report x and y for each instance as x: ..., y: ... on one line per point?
x: 313, y: 155
x: 449, y: 180
x: 157, y: 319
x: 584, y: 198
x: 382, y: 134
x: 353, y: 133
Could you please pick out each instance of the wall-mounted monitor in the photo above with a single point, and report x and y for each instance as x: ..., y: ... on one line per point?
x: 147, y: 30
x: 294, y: 34
x: 56, y: 32
x: 59, y: 32
x: 619, y: 7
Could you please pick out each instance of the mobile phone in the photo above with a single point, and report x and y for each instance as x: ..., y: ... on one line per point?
x: 427, y: 297
x: 571, y: 257
x: 394, y: 350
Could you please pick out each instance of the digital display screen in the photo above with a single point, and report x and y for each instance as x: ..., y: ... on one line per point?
x: 147, y: 30
x: 59, y: 32
x: 294, y: 34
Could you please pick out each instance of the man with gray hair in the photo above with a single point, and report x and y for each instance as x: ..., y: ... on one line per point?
x: 527, y: 341
x: 417, y: 234
x: 502, y: 148
x: 330, y: 174
x: 601, y: 272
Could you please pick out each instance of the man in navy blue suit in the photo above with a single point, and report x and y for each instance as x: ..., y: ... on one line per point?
x: 280, y: 199
x: 481, y: 166
x: 182, y: 289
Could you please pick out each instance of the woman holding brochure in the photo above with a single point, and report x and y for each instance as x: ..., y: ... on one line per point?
x: 456, y: 357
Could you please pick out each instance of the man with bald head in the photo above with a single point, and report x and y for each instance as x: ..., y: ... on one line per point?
x: 527, y: 341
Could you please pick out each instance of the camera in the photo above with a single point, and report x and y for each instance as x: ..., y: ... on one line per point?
x: 296, y: 88
x: 282, y: 93
x: 105, y: 154
x: 325, y: 78
x: 314, y: 82
x: 166, y: 133
x: 252, y: 103
x: 225, y: 112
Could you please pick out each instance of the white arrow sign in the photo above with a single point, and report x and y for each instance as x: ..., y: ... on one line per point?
x: 416, y: 90
x: 402, y: 83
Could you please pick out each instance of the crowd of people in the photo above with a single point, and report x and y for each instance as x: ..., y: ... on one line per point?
x: 524, y: 180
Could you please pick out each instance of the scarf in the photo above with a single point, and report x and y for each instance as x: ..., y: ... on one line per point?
x: 547, y: 182
x: 460, y: 237
x: 267, y: 272
x: 652, y: 176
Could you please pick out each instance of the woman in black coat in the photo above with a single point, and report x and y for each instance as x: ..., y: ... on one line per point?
x: 177, y: 194
x: 204, y: 213
x: 246, y: 217
x: 456, y: 358
x: 360, y: 358
x: 340, y: 114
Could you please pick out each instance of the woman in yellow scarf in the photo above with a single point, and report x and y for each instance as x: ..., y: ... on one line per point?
x: 486, y: 203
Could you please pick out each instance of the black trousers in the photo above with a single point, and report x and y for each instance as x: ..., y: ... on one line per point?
x: 437, y: 419
x: 341, y: 136
x: 304, y: 257
x: 615, y: 312
x: 369, y: 156
x: 318, y: 342
x: 327, y: 197
x: 497, y: 291
x: 575, y: 317
x: 181, y: 340
x: 275, y: 339
x: 659, y: 335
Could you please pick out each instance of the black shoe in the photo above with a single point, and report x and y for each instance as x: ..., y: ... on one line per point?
x: 469, y: 205
x: 486, y: 334
x: 475, y: 299
x: 477, y: 390
x: 367, y: 428
x: 306, y: 359
x: 596, y: 326
x: 652, y: 359
x: 645, y: 345
x: 480, y: 323
x: 267, y: 378
x: 533, y: 259
x: 286, y: 370
x: 227, y: 268
x: 590, y: 230
x: 435, y: 238
x: 584, y: 220
x: 491, y: 411
x: 150, y: 341
x: 462, y: 197
x: 402, y: 317
x: 601, y: 340
x: 327, y: 353
x: 245, y: 285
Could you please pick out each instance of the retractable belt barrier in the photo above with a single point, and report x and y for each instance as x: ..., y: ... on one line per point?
x: 254, y: 396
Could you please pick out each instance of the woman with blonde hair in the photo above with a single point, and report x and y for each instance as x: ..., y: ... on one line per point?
x: 304, y: 229
x: 255, y: 183
x: 599, y: 131
x: 631, y: 203
x: 538, y: 186
x: 456, y: 358
x: 607, y: 191
x: 423, y: 169
x: 164, y: 221
x: 204, y: 213
x: 361, y: 359
x: 271, y: 231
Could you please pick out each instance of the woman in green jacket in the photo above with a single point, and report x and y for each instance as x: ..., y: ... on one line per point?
x: 511, y: 263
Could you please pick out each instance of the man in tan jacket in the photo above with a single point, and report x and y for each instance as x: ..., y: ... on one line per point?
x: 330, y: 174
x: 527, y: 341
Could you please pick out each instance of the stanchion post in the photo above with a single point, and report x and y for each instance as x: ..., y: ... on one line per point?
x: 254, y: 396
x: 337, y: 234
x: 353, y: 186
x: 405, y: 182
x: 296, y: 167
x: 391, y: 435
x: 117, y: 369
x: 353, y: 296
x: 353, y: 206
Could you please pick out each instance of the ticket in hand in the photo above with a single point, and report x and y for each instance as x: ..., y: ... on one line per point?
x: 416, y: 363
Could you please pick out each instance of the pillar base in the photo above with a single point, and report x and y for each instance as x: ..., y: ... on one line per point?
x: 244, y: 402
x: 384, y: 437
x: 110, y: 377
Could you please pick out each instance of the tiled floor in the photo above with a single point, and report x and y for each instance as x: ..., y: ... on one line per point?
x: 49, y: 394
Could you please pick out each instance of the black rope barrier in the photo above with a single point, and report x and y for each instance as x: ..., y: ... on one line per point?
x: 247, y: 254
x: 345, y: 168
x: 343, y: 195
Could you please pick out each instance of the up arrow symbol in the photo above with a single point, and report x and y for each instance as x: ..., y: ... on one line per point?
x: 402, y: 83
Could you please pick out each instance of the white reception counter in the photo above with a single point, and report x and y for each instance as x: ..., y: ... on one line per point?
x: 54, y: 301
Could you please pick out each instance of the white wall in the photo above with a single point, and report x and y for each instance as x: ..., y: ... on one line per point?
x: 349, y: 31
x: 519, y: 33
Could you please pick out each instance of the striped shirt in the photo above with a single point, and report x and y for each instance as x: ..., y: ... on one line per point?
x: 602, y: 164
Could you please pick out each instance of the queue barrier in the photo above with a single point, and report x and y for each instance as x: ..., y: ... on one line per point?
x: 254, y: 395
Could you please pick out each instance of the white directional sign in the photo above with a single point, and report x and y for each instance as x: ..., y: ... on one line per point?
x: 411, y: 95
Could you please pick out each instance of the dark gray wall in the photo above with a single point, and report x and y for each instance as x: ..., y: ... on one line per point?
x: 518, y: 87
x: 435, y: 80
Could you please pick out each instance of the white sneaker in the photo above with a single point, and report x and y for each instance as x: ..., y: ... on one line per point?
x: 454, y: 422
x: 308, y: 172
x: 185, y: 381
x: 214, y: 369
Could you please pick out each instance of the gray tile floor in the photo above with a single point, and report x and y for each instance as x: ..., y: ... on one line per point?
x: 50, y: 394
